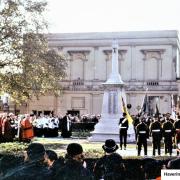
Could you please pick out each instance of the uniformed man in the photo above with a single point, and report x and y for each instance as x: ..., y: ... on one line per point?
x: 123, y: 127
x: 168, y: 132
x: 177, y: 133
x: 136, y: 121
x: 156, y: 132
x: 142, y: 135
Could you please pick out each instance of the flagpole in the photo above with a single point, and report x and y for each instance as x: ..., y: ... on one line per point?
x: 140, y: 111
x: 173, y: 113
x: 157, y: 105
x: 124, y: 108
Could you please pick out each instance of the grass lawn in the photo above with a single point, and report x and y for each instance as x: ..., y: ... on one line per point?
x: 59, y: 145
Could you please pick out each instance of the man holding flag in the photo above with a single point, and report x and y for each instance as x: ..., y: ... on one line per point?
x: 124, y: 123
x: 123, y: 127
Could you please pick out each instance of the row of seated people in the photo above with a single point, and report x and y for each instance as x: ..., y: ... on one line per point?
x: 40, y: 164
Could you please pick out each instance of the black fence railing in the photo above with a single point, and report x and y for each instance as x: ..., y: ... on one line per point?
x: 83, y: 126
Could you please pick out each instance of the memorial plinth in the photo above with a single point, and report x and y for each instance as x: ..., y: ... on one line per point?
x: 108, y: 128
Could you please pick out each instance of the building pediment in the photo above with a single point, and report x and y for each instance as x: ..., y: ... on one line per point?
x: 152, y: 53
x: 121, y: 54
x: 79, y: 54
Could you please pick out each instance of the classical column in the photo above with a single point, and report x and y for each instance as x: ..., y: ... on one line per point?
x: 95, y: 59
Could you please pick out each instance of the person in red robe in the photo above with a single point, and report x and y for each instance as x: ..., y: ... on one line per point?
x: 7, y: 132
x: 26, y: 129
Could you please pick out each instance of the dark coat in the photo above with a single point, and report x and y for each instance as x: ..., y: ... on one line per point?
x: 174, y: 164
x: 73, y: 170
x: 124, y: 124
x: 29, y: 171
x: 156, y: 131
x: 65, y: 132
x: 8, y: 132
x: 168, y: 126
x: 109, y: 167
x: 57, y: 165
x: 142, y: 136
x: 177, y: 124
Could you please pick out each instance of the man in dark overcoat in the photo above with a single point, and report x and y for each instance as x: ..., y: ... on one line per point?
x: 110, y: 166
x: 66, y: 126
x: 75, y: 166
x: 33, y: 167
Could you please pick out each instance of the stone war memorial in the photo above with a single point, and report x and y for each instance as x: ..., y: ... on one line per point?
x: 112, y: 107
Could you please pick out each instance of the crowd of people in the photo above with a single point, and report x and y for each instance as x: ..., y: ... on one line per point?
x: 39, y: 164
x: 25, y: 127
x: 12, y: 126
x: 158, y: 127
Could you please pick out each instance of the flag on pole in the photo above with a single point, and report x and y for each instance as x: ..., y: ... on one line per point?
x: 144, y: 107
x: 124, y: 109
x: 173, y: 112
x: 156, y: 108
x: 157, y: 111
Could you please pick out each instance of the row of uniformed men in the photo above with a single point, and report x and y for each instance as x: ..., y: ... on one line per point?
x: 167, y: 130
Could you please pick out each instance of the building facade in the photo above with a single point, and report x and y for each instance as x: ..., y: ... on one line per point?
x: 148, y: 63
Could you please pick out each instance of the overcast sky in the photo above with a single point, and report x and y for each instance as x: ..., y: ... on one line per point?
x: 113, y: 15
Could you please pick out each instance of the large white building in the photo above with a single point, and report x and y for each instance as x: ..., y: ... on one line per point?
x: 148, y: 63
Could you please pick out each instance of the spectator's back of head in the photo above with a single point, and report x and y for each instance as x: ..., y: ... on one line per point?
x: 174, y: 164
x: 110, y: 146
x: 51, y: 155
x: 74, y: 149
x: 35, y: 151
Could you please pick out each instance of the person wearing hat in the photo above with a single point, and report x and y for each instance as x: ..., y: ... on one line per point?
x: 168, y: 133
x: 123, y: 128
x: 156, y: 132
x: 177, y: 133
x: 142, y: 136
x: 33, y: 167
x: 109, y: 166
x: 75, y: 166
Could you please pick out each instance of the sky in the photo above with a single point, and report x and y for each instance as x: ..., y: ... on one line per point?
x: 69, y: 16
